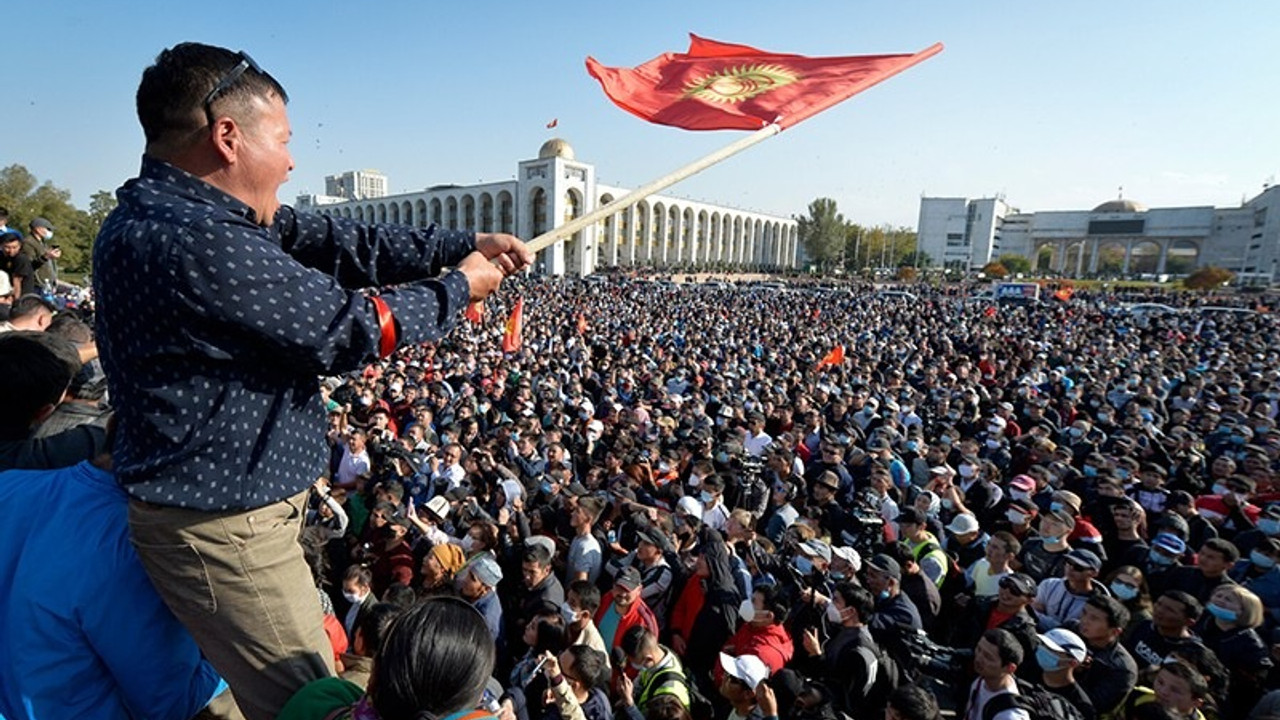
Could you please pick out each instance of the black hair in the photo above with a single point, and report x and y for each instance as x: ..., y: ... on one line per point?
x: 1186, y: 671
x: 67, y: 325
x: 436, y: 660
x: 550, y: 633
x: 1006, y: 644
x: 590, y: 666
x: 588, y: 595
x: 30, y: 305
x: 394, y: 488
x: 1191, y: 607
x: 857, y: 597
x: 1223, y: 547
x: 170, y: 98
x: 774, y: 601
x: 374, y: 625
x: 1116, y: 613
x: 35, y: 370
x: 400, y: 595
x: 360, y: 574
x: 536, y: 554
x: 913, y: 702
x: 637, y: 639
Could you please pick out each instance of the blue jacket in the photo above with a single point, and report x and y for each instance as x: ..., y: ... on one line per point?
x: 83, y: 633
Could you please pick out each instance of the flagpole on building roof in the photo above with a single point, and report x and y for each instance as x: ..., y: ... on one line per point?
x: 568, y: 229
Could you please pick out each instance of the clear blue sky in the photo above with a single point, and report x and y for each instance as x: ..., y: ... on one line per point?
x: 1053, y: 104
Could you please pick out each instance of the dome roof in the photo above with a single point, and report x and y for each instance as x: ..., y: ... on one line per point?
x: 555, y: 147
x: 1121, y: 205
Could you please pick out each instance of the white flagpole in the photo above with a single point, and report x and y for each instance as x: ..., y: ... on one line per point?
x: 568, y: 229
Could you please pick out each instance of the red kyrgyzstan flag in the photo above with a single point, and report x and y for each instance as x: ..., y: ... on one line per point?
x: 835, y: 357
x: 723, y: 86
x: 513, y: 331
x: 475, y: 313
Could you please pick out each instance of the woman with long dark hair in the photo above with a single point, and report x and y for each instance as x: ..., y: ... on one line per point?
x: 433, y: 666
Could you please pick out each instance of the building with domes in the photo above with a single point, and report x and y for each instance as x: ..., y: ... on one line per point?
x: 661, y: 231
x: 1118, y: 238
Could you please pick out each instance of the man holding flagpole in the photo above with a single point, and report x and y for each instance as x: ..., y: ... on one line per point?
x: 213, y: 368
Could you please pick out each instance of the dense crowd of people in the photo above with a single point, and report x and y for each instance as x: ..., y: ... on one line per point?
x: 667, y: 503
x: 611, y: 498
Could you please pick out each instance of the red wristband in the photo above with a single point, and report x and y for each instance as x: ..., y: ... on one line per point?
x: 387, y: 326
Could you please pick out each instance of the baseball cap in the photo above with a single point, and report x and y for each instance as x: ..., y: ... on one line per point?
x: 849, y: 555
x: 1169, y: 543
x: 628, y: 578
x: 1019, y: 583
x: 816, y: 548
x: 749, y: 669
x: 654, y: 537
x: 887, y: 565
x: 486, y: 569
x: 689, y: 506
x: 543, y: 542
x: 41, y: 223
x: 963, y: 523
x: 1083, y: 558
x: 1062, y: 640
x: 1026, y: 483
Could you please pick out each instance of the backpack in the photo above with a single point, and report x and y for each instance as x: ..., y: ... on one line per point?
x: 1035, y: 700
x: 699, y: 706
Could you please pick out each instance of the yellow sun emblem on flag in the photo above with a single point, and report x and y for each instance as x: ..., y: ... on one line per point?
x: 736, y: 84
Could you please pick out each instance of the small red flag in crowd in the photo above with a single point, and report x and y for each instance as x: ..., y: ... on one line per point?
x: 554, y: 122
x: 513, y: 331
x: 835, y: 357
x: 582, y: 324
x: 990, y: 311
x: 475, y: 313
x: 1064, y: 294
x: 724, y: 86
x: 817, y: 312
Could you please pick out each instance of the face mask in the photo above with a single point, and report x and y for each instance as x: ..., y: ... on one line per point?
x: 637, y: 667
x: 706, y: 497
x: 1159, y: 559
x: 366, y: 401
x: 1268, y: 526
x: 1122, y: 473
x: 1056, y: 506
x: 1222, y: 613
x: 884, y: 594
x: 1090, y: 471
x: 1047, y: 660
x: 1123, y: 592
x: 802, y: 564
x: 353, y: 598
x: 722, y: 458
x: 1019, y: 494
x: 1261, y: 560
x: 1076, y: 433
x: 966, y: 471
x: 838, y: 576
x: 947, y: 503
x: 747, y: 611
x: 1220, y: 489
x: 1015, y: 517
x: 695, y: 480
x: 992, y: 443
x: 1050, y: 539
x: 833, y: 613
x: 569, y: 614
x: 467, y: 543
x: 912, y: 446
x: 545, y: 487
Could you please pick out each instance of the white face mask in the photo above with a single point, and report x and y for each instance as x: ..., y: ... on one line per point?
x: 1015, y: 517
x: 747, y: 611
x: 353, y: 598
x: 833, y: 613
x: 467, y: 543
x: 966, y: 471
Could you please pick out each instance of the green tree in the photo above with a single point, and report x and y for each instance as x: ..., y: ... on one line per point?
x: 1015, y: 263
x: 823, y: 233
x: 1208, y: 278
x: 27, y: 198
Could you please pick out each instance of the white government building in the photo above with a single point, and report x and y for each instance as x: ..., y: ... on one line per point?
x: 1115, y: 239
x: 660, y: 231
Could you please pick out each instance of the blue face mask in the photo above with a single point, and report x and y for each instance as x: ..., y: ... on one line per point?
x: 1159, y: 559
x: 1269, y: 526
x: 912, y: 445
x: 1262, y: 561
x: 1055, y: 505
x: 1090, y: 471
x: 1222, y: 613
x: 837, y: 576
x: 1123, y: 592
x: 1047, y: 660
x: 802, y: 564
x: 884, y: 594
x: 545, y: 487
x: 1122, y: 473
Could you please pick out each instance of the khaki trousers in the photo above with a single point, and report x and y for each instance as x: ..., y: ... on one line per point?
x: 238, y: 581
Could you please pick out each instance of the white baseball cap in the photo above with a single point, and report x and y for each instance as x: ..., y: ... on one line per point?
x: 750, y: 669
